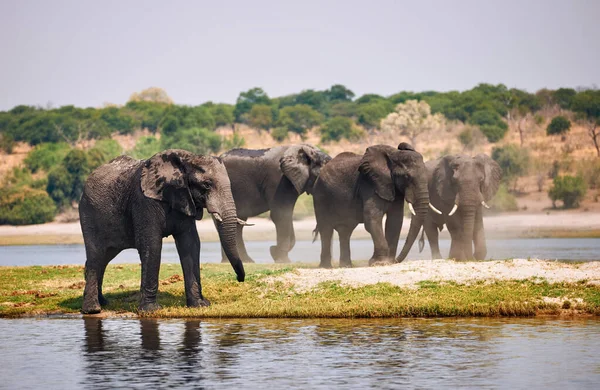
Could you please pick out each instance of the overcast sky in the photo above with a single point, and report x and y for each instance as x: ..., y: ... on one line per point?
x: 87, y: 53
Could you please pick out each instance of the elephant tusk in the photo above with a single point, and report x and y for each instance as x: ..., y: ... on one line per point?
x: 411, y: 208
x: 434, y: 209
x: 453, y: 210
x: 484, y: 204
x: 217, y: 217
x: 244, y: 223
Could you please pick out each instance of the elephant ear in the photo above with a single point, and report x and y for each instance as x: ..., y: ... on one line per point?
x: 163, y: 178
x: 442, y: 178
x: 295, y: 165
x: 493, y: 175
x: 375, y: 167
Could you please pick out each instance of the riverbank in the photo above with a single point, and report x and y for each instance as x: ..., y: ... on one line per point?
x: 552, y: 224
x: 410, y: 289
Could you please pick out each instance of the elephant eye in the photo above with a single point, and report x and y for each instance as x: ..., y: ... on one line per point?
x: 206, y: 185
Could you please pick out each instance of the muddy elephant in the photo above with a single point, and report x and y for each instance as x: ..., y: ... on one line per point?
x: 130, y: 203
x: 272, y: 179
x: 355, y: 189
x: 460, y: 186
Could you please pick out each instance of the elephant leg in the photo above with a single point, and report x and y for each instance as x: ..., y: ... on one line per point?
x: 97, y: 259
x: 479, y: 236
x: 432, y: 233
x: 188, y: 248
x: 345, y: 232
x: 241, y: 245
x: 149, y: 249
x: 373, y: 218
x: 456, y: 249
x: 393, y: 226
x: 326, y: 235
x: 285, y: 235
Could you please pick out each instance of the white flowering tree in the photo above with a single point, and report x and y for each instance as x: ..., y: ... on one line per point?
x: 412, y: 119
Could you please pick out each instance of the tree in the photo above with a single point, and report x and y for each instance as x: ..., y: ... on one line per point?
x: 315, y: 99
x: 490, y: 123
x: 570, y: 189
x: 195, y: 140
x: 247, y: 100
x: 564, y: 97
x: 587, y: 105
x: 260, y: 116
x: 339, y: 127
x: 24, y: 206
x: 513, y: 160
x: 152, y: 94
x: 299, y: 119
x: 222, y: 114
x: 371, y: 113
x: 523, y: 106
x: 558, y: 125
x: 412, y: 119
x: 145, y: 147
x: 339, y: 92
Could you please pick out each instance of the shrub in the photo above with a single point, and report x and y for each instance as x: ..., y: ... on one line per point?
x: 569, y: 189
x: 45, y: 156
x: 195, y: 140
x: 260, y: 116
x: 7, y: 143
x: 470, y: 137
x: 24, y: 206
x: 235, y: 141
x: 145, y: 147
x: 299, y: 118
x: 493, y: 133
x: 490, y: 123
x: 279, y: 134
x: 503, y: 200
x: 340, y: 127
x: 513, y: 160
x: 558, y: 125
x: 590, y: 171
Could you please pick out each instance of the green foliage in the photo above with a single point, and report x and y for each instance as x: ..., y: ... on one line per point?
x: 186, y: 117
x: 339, y: 92
x: 304, y: 207
x: 247, y: 100
x: 570, y: 189
x: 24, y: 206
x: 503, y: 200
x: 590, y: 171
x: 117, y: 120
x: 564, y: 97
x: 223, y: 114
x: 147, y: 114
x: 513, y: 160
x: 299, y: 118
x: 261, y: 116
x: 339, y: 127
x: 346, y: 109
x: 195, y: 140
x: 587, y: 104
x: 371, y: 113
x: 145, y: 147
x: 490, y: 123
x: 7, y: 143
x: 279, y: 134
x: 558, y: 125
x: 106, y: 150
x: 235, y: 141
x: 45, y: 156
x: 470, y: 137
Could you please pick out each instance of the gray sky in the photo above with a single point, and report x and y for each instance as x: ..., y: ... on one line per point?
x: 87, y: 53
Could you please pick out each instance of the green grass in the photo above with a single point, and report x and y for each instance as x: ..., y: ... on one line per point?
x: 26, y: 291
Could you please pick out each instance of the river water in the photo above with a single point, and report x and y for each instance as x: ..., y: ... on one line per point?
x: 580, y: 249
x: 99, y: 353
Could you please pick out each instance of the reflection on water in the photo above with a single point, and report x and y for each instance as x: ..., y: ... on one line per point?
x: 306, y: 251
x: 108, y: 353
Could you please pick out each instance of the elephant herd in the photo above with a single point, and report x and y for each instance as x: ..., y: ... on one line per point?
x: 130, y: 203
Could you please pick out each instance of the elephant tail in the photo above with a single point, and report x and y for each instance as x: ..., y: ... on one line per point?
x: 422, y: 240
x: 315, y: 233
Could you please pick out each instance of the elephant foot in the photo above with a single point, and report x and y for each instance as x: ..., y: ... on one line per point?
x: 199, y: 303
x: 377, y: 261
x: 103, y: 301
x: 345, y: 264
x: 436, y: 255
x: 247, y: 260
x: 325, y: 264
x: 149, y: 306
x: 279, y: 256
x: 90, y: 307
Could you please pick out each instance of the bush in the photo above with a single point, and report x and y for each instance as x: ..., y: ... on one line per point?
x: 590, y: 171
x: 260, y: 116
x: 558, y: 125
x: 470, y: 137
x: 493, y: 133
x: 569, y: 189
x: 503, y: 200
x: 235, y: 141
x: 279, y: 134
x: 340, y: 127
x: 24, y: 206
x: 195, y: 140
x: 299, y: 118
x: 7, y: 143
x: 45, y: 156
x: 490, y: 123
x: 145, y: 147
x: 513, y: 160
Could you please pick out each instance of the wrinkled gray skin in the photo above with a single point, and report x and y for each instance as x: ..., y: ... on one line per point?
x: 355, y: 189
x: 130, y: 203
x: 272, y: 179
x: 467, y: 182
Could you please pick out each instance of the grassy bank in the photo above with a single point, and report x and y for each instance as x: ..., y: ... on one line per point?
x: 58, y: 289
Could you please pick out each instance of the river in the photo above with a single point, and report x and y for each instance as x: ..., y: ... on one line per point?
x: 578, y: 249
x: 99, y: 353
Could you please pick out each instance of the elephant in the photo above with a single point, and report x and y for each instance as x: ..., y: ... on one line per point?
x: 460, y: 186
x: 272, y: 179
x: 130, y: 203
x: 355, y: 189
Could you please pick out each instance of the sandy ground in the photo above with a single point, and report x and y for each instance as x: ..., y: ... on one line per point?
x: 410, y: 273
x: 504, y: 225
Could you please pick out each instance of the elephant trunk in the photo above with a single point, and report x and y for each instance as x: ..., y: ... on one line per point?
x: 416, y: 221
x: 227, y: 221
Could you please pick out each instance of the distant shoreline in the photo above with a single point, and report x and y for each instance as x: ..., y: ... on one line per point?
x: 553, y: 224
